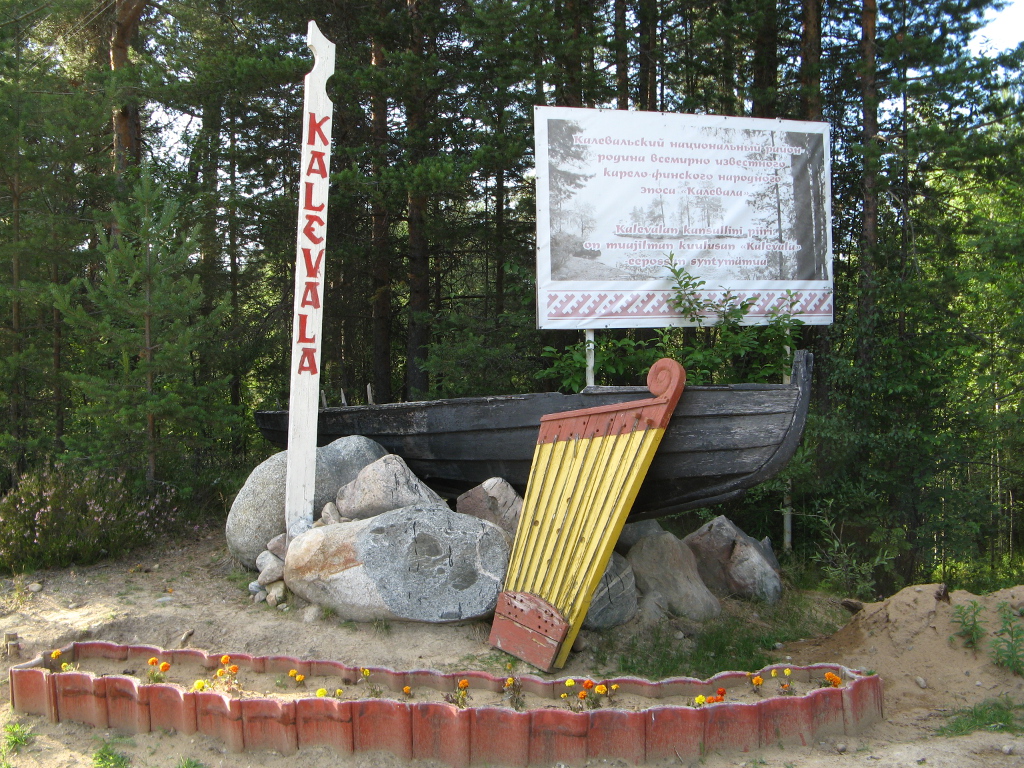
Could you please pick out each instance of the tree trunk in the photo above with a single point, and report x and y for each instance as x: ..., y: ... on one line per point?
x: 621, y: 56
x: 647, y: 22
x: 810, y: 60
x: 766, y: 61
x: 127, y: 119
x: 869, y: 183
x: 380, y: 270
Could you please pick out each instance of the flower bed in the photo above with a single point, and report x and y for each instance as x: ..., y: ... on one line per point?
x: 356, y: 710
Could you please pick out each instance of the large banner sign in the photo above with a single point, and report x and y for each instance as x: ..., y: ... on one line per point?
x: 741, y: 203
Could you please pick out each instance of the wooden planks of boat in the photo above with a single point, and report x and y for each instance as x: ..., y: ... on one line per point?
x: 720, y: 442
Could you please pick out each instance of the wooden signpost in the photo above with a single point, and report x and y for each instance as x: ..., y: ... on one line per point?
x: 307, y: 322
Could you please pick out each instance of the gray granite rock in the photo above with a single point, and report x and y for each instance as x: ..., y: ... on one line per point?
x: 633, y: 532
x: 330, y: 514
x: 614, y: 601
x: 278, y: 545
x: 270, y: 566
x: 664, y: 564
x: 732, y: 563
x: 382, y: 486
x: 419, y: 563
x: 257, y: 513
x: 652, y: 608
x: 495, y: 501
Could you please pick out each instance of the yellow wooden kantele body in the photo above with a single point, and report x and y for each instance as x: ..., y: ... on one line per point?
x: 587, y: 470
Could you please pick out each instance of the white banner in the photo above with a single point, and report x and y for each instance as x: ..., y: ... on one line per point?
x: 742, y: 203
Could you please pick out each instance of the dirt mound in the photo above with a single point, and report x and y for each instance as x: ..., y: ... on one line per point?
x: 910, y: 640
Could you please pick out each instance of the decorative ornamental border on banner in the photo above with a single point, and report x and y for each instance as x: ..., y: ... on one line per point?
x: 653, y: 305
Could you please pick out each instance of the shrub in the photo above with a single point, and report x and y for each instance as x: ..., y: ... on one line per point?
x: 62, y: 515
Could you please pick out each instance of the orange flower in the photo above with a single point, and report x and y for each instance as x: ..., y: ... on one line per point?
x: 225, y: 659
x: 407, y: 690
x: 588, y: 684
x: 220, y: 673
x: 721, y: 692
x: 601, y: 690
x: 292, y: 672
x: 583, y: 695
x: 299, y: 678
x: 463, y: 685
x: 233, y: 669
x: 165, y: 666
x: 153, y: 661
x: 833, y: 679
x: 757, y: 681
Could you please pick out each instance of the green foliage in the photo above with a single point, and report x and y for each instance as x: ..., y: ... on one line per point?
x: 999, y: 715
x: 1007, y: 647
x: 739, y: 642
x: 189, y: 762
x: 971, y: 626
x: 72, y: 514
x: 616, y: 361
x: 841, y: 564
x: 15, y: 737
x: 108, y: 757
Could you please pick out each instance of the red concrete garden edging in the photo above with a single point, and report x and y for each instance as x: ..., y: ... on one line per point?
x: 441, y: 731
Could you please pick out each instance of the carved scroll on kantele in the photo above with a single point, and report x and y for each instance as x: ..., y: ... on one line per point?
x: 587, y: 469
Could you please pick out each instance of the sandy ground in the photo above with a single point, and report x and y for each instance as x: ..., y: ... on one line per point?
x: 155, y: 597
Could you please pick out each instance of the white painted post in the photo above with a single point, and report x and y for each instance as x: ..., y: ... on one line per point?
x: 590, y: 344
x: 787, y: 499
x: 307, y: 323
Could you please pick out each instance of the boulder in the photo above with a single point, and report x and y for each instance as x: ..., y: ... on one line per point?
x: 495, y: 501
x: 270, y: 566
x: 633, y: 532
x: 665, y: 564
x: 382, y: 486
x: 257, y: 513
x: 278, y: 545
x: 732, y: 563
x: 614, y: 601
x: 420, y: 563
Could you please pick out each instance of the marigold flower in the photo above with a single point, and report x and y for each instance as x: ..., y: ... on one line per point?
x: 721, y: 692
x: 293, y: 672
x: 699, y: 700
x: 463, y: 685
x: 509, y: 683
x: 338, y: 691
x: 833, y: 679
x: 757, y: 680
x: 299, y: 678
x: 153, y: 661
x: 366, y: 673
x: 785, y: 686
x: 615, y: 686
x: 570, y: 683
x: 601, y: 690
x: 220, y: 673
x: 233, y: 669
x: 165, y: 666
x: 321, y: 692
x: 55, y: 655
x: 787, y: 671
x: 588, y: 684
x: 406, y: 690
x: 199, y: 685
x: 775, y: 673
x: 565, y: 695
x: 582, y: 695
x: 225, y: 659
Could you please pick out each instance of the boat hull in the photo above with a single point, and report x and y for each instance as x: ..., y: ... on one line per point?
x: 720, y: 442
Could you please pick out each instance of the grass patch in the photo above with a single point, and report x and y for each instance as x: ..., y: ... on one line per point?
x: 15, y: 737
x: 381, y: 627
x: 189, y: 762
x: 997, y: 715
x: 240, y: 578
x: 108, y: 757
x: 742, y: 638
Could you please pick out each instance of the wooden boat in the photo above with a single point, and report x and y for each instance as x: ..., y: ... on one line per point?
x: 720, y: 442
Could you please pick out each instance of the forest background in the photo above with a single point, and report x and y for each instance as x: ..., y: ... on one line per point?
x: 148, y: 194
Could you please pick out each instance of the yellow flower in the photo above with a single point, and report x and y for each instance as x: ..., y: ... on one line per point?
x: 366, y: 673
x: 220, y: 673
x: 153, y: 661
x: 775, y: 673
x: 292, y: 672
x: 570, y: 683
x: 700, y: 700
x: 338, y: 692
x: 509, y: 683
x: 165, y: 666
x: 55, y: 655
x: 787, y: 671
x: 601, y: 690
x: 225, y: 659
x: 321, y: 692
x: 565, y: 695
x: 199, y: 685
x: 615, y: 686
x: 299, y: 678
